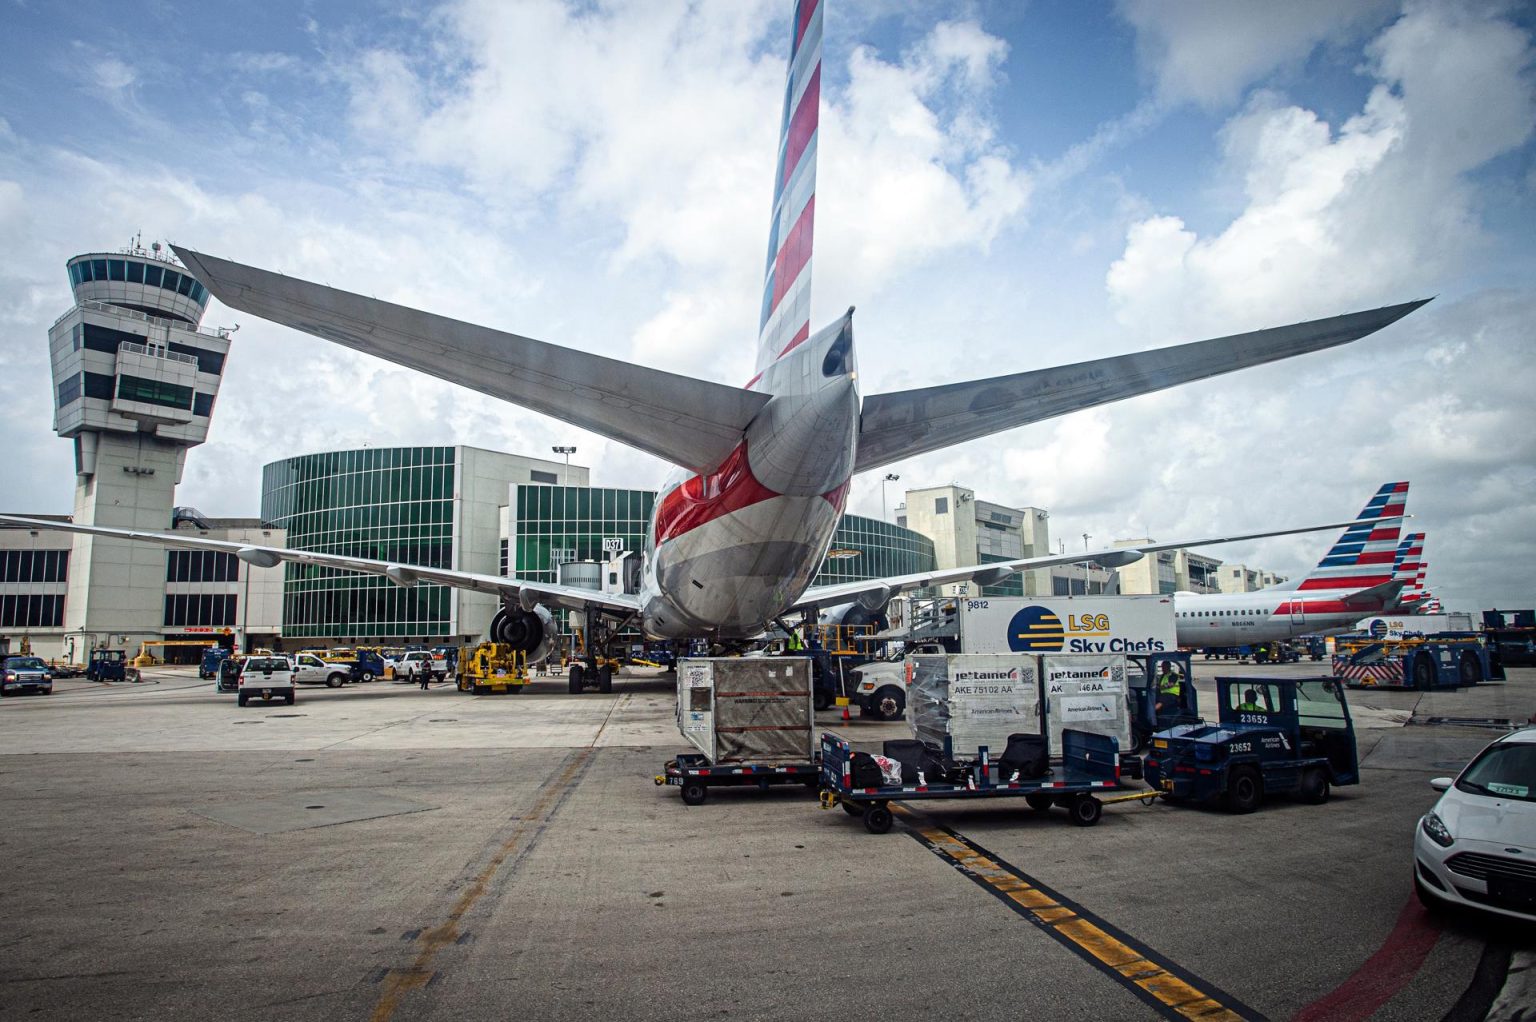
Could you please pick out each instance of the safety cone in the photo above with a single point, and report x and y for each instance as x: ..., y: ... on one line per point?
x: 845, y: 712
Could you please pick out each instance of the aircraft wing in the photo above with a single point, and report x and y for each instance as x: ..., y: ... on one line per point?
x: 911, y: 422
x: 569, y: 597
x: 875, y: 592
x: 693, y: 423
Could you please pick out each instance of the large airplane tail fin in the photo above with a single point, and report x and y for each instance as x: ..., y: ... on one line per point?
x: 1409, y: 570
x: 786, y: 314
x: 1365, y: 555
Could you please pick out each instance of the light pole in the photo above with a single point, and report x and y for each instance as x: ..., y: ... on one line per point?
x: 565, y: 477
x: 1086, y: 586
x: 890, y: 477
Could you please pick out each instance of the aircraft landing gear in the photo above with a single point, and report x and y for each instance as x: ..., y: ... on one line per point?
x: 595, y: 669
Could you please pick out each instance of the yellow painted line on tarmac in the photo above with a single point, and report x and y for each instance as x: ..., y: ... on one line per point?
x: 1171, y: 990
x: 399, y: 982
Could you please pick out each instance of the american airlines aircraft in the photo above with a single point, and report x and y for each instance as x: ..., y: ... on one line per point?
x: 1363, y: 573
x: 741, y: 527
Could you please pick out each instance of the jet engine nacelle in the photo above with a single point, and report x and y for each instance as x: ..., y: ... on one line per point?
x: 531, y: 632
x: 858, y: 614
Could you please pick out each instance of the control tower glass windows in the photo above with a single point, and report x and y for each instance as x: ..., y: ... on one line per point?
x: 69, y: 390
x: 153, y: 392
x: 133, y: 272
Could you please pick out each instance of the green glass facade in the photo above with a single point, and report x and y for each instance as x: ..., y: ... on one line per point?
x: 388, y: 503
x: 865, y: 548
x: 553, y: 524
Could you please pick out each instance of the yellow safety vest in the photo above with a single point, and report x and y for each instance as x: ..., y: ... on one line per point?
x: 1168, y: 684
x: 1251, y: 708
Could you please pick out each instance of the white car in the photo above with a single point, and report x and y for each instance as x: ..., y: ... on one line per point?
x: 1477, y: 847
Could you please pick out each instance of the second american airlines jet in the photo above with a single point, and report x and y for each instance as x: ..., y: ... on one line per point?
x: 1363, y: 573
x: 763, y: 469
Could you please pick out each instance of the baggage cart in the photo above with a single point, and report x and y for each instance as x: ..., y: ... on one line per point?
x: 1090, y: 767
x: 751, y: 721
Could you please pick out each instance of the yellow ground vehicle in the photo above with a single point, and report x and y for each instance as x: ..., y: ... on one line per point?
x: 492, y: 667
x: 148, y: 659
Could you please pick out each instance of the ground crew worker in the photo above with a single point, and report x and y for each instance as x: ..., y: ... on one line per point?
x: 795, y: 643
x: 1169, y: 688
x: 1250, y: 703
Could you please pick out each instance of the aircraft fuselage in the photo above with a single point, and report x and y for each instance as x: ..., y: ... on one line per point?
x: 728, y: 551
x: 1239, y: 619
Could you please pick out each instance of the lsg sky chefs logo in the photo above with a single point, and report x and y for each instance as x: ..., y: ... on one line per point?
x: 1037, y: 629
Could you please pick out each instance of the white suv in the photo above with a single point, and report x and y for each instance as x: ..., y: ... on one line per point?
x: 266, y: 678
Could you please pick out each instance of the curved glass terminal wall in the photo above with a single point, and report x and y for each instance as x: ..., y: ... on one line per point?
x: 390, y: 504
x: 554, y: 524
x: 865, y: 548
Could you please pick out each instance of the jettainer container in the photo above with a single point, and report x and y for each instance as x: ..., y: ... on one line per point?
x: 747, y: 710
x: 1067, y: 624
x: 979, y: 699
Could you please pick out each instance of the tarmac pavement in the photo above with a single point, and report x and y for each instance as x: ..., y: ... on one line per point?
x: 381, y: 852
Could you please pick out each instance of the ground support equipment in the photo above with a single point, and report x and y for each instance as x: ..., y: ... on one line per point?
x: 1090, y: 767
x: 1435, y: 661
x: 694, y: 775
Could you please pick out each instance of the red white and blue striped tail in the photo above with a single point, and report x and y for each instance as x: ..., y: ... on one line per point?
x: 1410, y: 552
x: 1366, y: 554
x: 786, y: 319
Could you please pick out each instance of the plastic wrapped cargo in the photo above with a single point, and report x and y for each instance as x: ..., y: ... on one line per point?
x: 747, y: 710
x: 1086, y: 692
x: 973, y: 699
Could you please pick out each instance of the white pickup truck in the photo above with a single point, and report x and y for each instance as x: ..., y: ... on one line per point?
x: 309, y: 669
x: 411, y: 666
x: 266, y: 678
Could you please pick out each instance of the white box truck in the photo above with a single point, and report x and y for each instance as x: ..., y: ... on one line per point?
x: 1413, y: 626
x: 1067, y: 624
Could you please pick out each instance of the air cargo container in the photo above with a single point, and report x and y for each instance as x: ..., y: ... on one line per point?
x: 750, y: 718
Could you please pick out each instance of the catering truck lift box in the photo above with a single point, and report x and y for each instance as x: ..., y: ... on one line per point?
x: 1066, y: 624
x: 751, y: 720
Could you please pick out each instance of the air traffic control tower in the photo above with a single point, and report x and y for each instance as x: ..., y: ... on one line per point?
x: 135, y: 378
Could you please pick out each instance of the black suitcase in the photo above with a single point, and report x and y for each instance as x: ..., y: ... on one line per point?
x: 865, y: 772
x: 913, y: 756
x: 1026, y: 755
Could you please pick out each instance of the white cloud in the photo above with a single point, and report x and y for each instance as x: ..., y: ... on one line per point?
x: 1379, y: 211
x: 1209, y: 51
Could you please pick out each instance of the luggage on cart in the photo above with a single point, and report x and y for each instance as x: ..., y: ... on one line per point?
x: 866, y: 773
x: 1026, y: 755
x: 914, y: 757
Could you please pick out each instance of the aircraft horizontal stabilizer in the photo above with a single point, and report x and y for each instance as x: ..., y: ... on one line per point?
x: 911, y: 422
x: 693, y: 423
x: 1376, y: 596
x: 992, y: 574
x: 569, y: 597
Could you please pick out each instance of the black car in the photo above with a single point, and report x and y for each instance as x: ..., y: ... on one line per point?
x: 25, y: 674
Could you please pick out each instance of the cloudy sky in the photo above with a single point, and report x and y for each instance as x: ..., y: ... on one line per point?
x: 1001, y: 186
